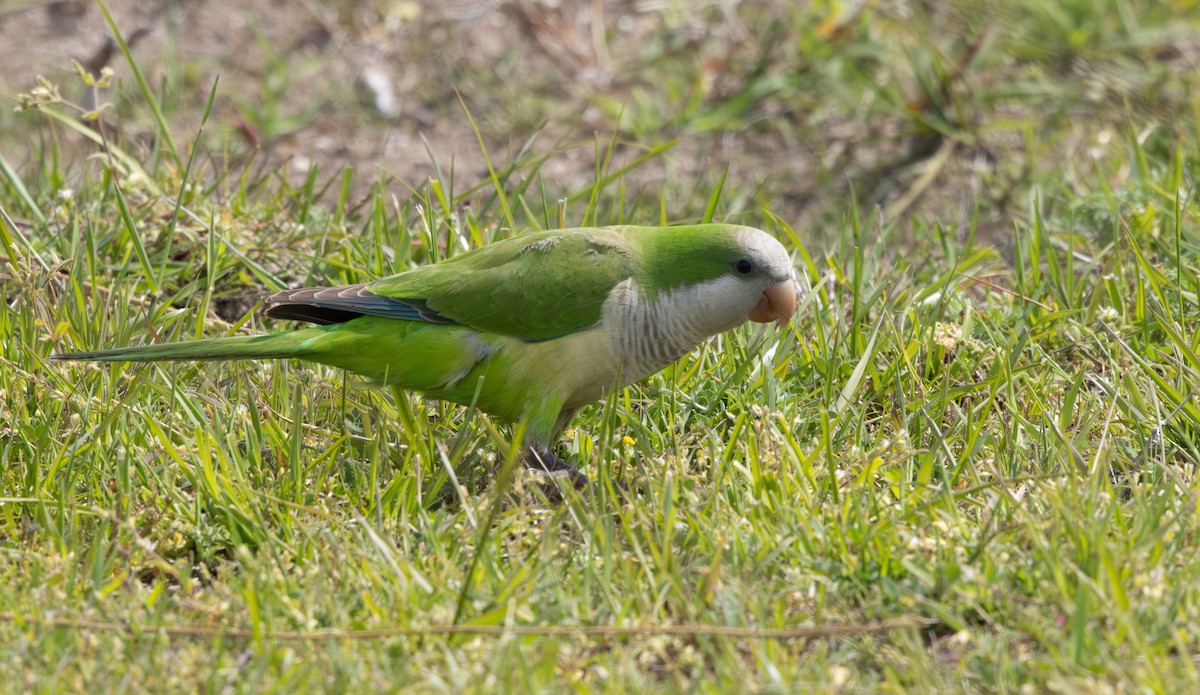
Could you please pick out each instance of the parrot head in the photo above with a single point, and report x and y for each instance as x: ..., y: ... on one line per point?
x: 766, y: 271
x: 718, y: 280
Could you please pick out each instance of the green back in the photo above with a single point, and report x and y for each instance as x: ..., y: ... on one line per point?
x: 516, y: 287
x: 549, y: 284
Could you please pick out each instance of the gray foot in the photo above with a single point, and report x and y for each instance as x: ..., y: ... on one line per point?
x: 541, y: 460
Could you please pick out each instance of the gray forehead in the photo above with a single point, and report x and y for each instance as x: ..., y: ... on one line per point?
x: 763, y: 246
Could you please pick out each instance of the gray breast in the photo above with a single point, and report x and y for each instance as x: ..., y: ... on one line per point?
x: 647, y: 336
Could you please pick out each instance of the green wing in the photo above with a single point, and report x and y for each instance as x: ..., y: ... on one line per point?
x: 534, y: 287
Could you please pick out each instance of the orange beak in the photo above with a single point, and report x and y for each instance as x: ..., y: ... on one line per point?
x: 778, y: 303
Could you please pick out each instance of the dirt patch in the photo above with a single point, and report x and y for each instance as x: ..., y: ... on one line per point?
x: 384, y: 86
x: 377, y: 85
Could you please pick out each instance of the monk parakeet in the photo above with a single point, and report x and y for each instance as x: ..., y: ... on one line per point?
x: 529, y: 329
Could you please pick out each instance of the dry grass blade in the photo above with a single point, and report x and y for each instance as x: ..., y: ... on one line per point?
x: 599, y: 631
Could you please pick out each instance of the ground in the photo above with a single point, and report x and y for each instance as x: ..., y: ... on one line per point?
x: 969, y: 463
x: 384, y: 88
x: 387, y: 88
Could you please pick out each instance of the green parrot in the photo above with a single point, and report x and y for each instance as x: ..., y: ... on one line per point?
x: 529, y: 329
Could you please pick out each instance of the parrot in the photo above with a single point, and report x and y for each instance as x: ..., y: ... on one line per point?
x: 529, y: 329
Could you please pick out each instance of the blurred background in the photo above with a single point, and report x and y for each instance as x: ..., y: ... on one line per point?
x: 953, y: 112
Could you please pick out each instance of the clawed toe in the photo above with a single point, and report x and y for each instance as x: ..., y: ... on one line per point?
x: 546, y: 464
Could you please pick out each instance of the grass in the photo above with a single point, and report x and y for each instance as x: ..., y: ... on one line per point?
x: 969, y: 464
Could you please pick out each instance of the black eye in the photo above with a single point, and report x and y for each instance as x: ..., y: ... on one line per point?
x: 743, y: 266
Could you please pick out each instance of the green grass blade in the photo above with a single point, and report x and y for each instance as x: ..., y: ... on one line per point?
x: 164, y: 131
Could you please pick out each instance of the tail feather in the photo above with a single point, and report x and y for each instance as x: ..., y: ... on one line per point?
x: 275, y: 345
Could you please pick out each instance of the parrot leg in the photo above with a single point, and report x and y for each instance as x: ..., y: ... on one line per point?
x: 541, y: 460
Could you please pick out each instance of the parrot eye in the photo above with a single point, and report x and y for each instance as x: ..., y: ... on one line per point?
x: 743, y: 266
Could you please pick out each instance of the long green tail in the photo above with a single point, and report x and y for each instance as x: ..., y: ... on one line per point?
x: 275, y: 345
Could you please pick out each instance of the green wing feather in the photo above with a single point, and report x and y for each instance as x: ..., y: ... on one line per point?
x: 516, y: 287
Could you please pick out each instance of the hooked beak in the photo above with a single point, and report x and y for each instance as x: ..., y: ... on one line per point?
x: 778, y: 303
